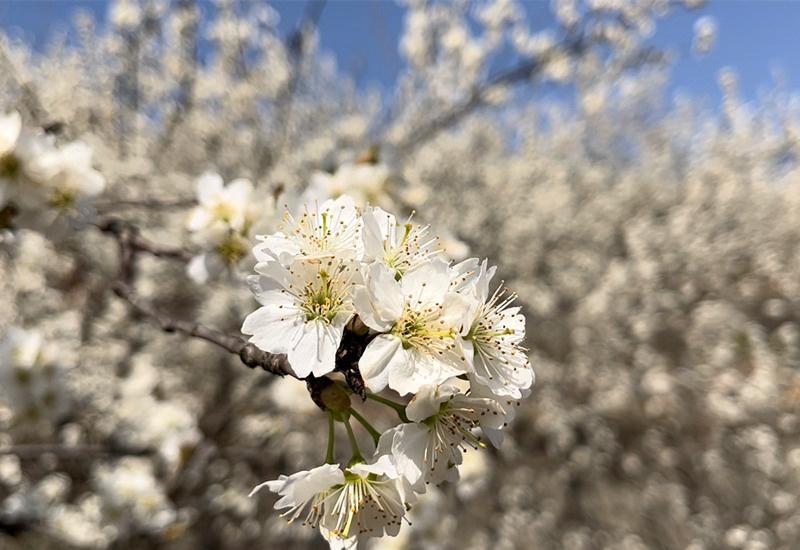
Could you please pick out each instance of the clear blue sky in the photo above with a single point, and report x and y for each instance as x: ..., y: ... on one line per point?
x: 755, y: 37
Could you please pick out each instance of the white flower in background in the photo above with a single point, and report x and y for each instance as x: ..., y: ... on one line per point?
x: 401, y: 248
x: 74, y: 178
x: 474, y: 474
x: 133, y: 500
x: 493, y: 339
x: 170, y: 427
x: 366, y: 183
x: 331, y: 229
x: 10, y: 128
x: 305, y: 307
x: 428, y: 450
x: 705, y: 35
x: 291, y: 395
x: 30, y: 380
x: 27, y: 162
x: 43, y: 180
x: 453, y: 248
x: 221, y: 224
x: 221, y: 207
x: 32, y: 502
x: 419, y: 319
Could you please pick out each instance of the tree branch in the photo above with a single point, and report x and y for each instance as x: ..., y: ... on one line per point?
x: 132, y: 243
x: 36, y: 450
x: 477, y: 97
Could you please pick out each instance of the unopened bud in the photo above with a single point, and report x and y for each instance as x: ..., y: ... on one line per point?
x: 335, y: 398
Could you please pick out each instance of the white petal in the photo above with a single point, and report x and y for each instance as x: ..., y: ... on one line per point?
x: 198, y: 218
x: 427, y: 284
x: 10, y: 128
x: 314, y: 351
x: 424, y: 404
x: 379, y: 226
x: 209, y: 186
x: 375, y: 363
x: 409, y: 444
x: 197, y: 269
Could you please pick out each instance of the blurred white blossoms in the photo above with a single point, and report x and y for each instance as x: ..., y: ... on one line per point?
x: 365, y: 182
x: 431, y: 330
x: 705, y: 35
x: 41, y: 178
x: 30, y: 379
x: 133, y: 499
x: 221, y: 224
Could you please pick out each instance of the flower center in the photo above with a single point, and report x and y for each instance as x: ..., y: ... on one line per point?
x: 10, y: 166
x: 323, y: 299
x: 412, y: 250
x: 452, y: 427
x: 424, y: 330
x: 62, y: 198
x: 323, y: 232
x: 367, y: 497
x: 223, y: 212
x: 232, y: 249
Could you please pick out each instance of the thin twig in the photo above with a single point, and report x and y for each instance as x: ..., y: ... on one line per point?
x: 132, y: 243
x: 35, y: 450
x: 150, y: 204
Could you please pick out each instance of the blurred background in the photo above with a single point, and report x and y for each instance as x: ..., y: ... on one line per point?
x: 632, y: 167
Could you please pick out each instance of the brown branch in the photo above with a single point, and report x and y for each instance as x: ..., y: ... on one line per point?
x: 36, y: 450
x: 129, y: 234
x: 524, y: 71
x: 132, y: 243
x: 150, y: 204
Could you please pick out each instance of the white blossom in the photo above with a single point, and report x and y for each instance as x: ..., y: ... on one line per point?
x: 133, y: 500
x: 419, y: 318
x: 443, y: 423
x: 365, y: 182
x: 31, y: 381
x: 304, y: 493
x: 305, y: 307
x: 492, y: 342
x: 401, y: 248
x: 329, y: 230
x: 363, y: 500
x: 221, y: 224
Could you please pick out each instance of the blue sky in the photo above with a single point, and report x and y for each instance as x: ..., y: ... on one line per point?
x: 756, y: 37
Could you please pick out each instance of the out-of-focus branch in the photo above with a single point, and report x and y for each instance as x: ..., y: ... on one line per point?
x: 36, y: 450
x: 150, y: 204
x: 129, y: 234
x: 131, y: 243
x: 296, y: 47
x: 524, y: 71
x: 576, y: 43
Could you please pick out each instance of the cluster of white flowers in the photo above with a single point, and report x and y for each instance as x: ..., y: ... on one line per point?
x: 132, y: 498
x: 653, y: 244
x: 170, y: 427
x: 222, y: 224
x: 40, y: 178
x: 365, y: 182
x: 31, y: 380
x: 436, y: 333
